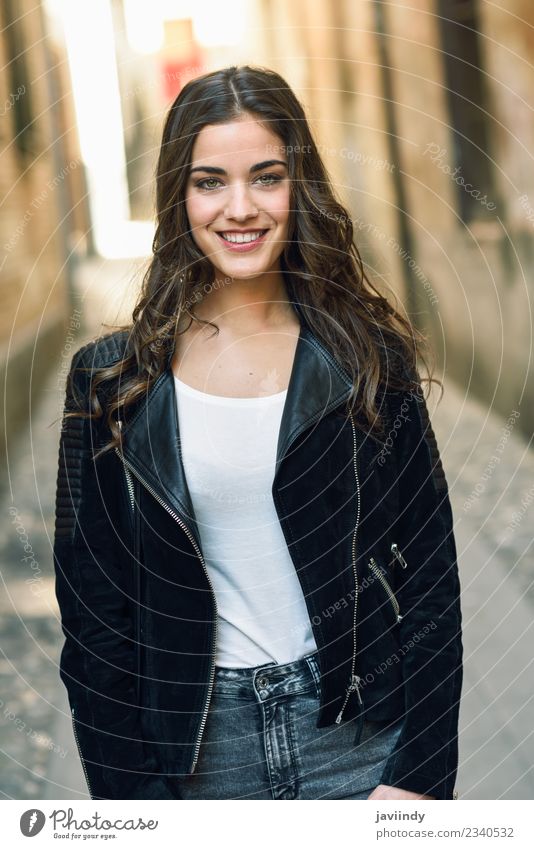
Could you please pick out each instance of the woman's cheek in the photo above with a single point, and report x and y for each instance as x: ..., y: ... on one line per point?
x: 203, y: 207
x: 279, y: 207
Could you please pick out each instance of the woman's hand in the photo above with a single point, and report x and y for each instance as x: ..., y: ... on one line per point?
x: 383, y: 791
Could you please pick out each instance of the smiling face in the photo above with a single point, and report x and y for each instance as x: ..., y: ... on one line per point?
x: 238, y: 197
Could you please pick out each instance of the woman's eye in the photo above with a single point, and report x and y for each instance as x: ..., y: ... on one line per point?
x: 209, y: 183
x: 202, y: 183
x: 269, y: 179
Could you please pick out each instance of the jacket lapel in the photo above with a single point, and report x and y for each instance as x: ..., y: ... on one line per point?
x: 151, y: 440
x: 317, y: 384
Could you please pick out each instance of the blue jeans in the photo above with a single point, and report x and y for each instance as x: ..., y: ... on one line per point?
x: 260, y: 740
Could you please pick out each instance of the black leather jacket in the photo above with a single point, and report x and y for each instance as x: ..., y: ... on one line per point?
x: 369, y: 528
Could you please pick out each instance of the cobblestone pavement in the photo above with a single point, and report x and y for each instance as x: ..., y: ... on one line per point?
x: 490, y: 472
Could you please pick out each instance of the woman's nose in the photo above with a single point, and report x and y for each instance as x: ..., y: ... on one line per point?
x: 240, y: 204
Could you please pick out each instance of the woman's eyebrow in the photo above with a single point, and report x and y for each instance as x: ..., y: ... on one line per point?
x: 211, y: 169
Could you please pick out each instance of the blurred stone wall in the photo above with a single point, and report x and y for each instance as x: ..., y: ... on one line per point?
x: 423, y: 112
x: 43, y: 215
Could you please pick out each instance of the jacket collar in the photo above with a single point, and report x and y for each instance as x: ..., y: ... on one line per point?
x: 151, y: 440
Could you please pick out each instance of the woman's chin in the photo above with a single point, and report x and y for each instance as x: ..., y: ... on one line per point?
x: 242, y: 273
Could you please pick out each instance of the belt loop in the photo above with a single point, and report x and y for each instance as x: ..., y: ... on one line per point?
x: 314, y: 669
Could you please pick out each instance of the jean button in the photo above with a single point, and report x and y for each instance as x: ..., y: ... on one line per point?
x: 263, y: 681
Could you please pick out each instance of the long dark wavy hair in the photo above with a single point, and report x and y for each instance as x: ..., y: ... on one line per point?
x: 322, y: 267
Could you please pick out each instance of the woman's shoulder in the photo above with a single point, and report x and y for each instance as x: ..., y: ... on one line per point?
x: 399, y: 375
x: 103, y: 350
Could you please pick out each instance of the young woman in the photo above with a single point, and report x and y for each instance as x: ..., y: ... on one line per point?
x: 255, y: 559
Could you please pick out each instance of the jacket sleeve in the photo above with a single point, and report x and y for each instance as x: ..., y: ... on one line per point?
x: 97, y: 660
x: 425, y: 758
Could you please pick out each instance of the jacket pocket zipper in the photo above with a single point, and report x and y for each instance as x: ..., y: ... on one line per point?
x: 396, y: 551
x: 191, y: 538
x: 354, y: 683
x: 80, y: 754
x: 376, y: 571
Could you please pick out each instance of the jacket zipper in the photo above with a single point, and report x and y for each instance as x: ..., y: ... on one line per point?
x: 373, y: 565
x: 129, y: 481
x: 354, y: 684
x: 201, y: 558
x: 80, y: 754
x: 395, y: 550
x: 137, y: 566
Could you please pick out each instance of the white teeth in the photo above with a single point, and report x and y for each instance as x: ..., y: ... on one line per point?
x: 240, y: 238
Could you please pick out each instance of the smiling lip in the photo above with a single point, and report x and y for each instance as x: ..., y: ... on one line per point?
x: 242, y: 247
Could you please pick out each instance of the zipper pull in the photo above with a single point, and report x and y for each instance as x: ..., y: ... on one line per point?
x: 398, y: 555
x: 354, y: 685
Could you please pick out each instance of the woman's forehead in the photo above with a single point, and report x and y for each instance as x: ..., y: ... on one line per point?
x: 245, y: 137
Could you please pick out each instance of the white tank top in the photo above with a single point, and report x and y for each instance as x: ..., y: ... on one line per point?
x: 229, y: 451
